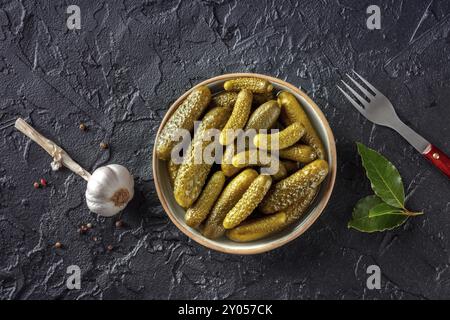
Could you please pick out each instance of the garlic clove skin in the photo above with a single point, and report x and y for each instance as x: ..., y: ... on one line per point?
x: 109, y: 190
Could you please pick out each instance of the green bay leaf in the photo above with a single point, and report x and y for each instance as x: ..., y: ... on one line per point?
x: 361, y: 220
x: 384, y: 209
x: 385, y: 179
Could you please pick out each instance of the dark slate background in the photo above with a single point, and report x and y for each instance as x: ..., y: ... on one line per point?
x: 119, y: 74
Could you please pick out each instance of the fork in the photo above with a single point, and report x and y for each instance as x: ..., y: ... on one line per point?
x: 379, y: 110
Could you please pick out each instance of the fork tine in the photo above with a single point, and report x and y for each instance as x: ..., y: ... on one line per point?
x: 360, y: 87
x: 356, y: 94
x: 367, y: 83
x: 353, y: 102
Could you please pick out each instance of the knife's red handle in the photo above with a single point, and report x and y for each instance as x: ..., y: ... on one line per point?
x: 438, y: 159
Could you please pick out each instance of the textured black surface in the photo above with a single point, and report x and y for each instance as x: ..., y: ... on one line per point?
x: 119, y: 74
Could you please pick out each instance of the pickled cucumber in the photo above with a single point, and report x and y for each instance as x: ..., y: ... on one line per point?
x: 228, y: 198
x: 183, y: 118
x: 263, y: 227
x: 238, y: 118
x: 226, y: 163
x: 225, y: 99
x: 253, y: 157
x: 265, y: 116
x: 258, y: 228
x: 291, y: 189
x: 248, y: 202
x: 192, y: 175
x: 300, y: 153
x: 292, y: 111
x: 256, y: 85
x: 173, y: 170
x: 197, y: 213
x: 285, y: 138
x: 295, y: 211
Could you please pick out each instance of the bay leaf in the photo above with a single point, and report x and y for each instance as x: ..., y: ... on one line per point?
x: 361, y: 220
x: 385, y: 179
x: 384, y: 209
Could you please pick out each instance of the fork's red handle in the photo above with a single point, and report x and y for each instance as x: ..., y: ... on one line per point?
x: 439, y: 159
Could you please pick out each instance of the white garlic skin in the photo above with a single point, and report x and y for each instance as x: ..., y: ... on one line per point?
x: 103, y: 187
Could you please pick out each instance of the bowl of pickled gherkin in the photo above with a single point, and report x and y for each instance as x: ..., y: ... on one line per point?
x: 244, y: 163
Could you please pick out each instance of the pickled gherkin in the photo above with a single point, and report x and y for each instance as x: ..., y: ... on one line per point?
x: 300, y: 153
x: 256, y: 85
x: 200, y: 210
x: 192, y: 175
x: 248, y: 202
x: 225, y: 99
x: 244, y: 115
x: 292, y: 111
x: 255, y: 157
x: 226, y: 163
x: 295, y: 211
x: 281, y: 139
x: 238, y: 118
x: 265, y: 116
x: 263, y: 227
x: 258, y: 228
x: 172, y: 167
x: 183, y: 118
x: 228, y: 198
x: 289, y: 190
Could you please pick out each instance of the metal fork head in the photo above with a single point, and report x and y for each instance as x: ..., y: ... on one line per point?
x: 372, y: 105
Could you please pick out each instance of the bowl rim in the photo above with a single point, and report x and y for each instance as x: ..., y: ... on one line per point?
x: 314, y: 215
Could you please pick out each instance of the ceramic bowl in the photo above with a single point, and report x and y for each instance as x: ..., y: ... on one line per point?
x: 176, y: 213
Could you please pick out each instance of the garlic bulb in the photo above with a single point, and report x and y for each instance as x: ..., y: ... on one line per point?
x: 109, y: 189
